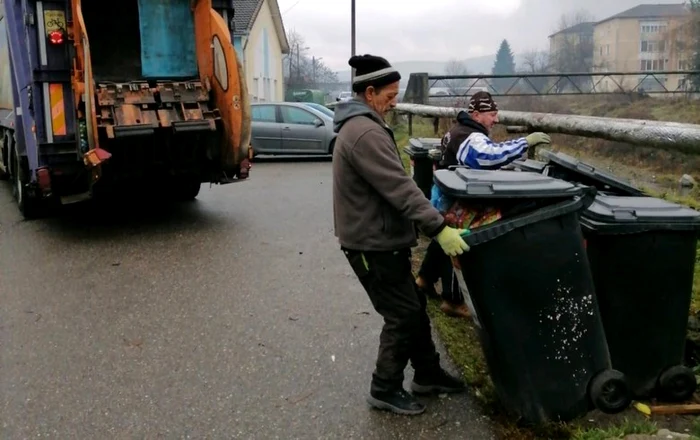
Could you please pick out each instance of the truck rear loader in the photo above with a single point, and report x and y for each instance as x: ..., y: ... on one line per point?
x: 103, y: 96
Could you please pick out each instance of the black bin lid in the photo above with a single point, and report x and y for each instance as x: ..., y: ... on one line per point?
x: 589, y: 171
x: 622, y: 213
x: 473, y: 184
x: 424, y: 143
x: 529, y: 165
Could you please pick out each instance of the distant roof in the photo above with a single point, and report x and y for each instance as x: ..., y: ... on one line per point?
x: 246, y: 11
x: 651, y: 11
x: 581, y: 28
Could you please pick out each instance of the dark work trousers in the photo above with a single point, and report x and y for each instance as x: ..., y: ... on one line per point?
x: 438, y: 265
x: 389, y: 282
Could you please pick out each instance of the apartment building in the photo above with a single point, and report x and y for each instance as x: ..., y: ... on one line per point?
x: 646, y: 38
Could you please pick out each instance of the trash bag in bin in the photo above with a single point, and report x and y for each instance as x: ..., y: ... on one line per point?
x: 565, y: 167
x: 642, y: 255
x: 422, y: 161
x: 532, y: 290
x: 461, y: 215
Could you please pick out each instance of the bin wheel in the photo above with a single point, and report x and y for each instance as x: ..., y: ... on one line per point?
x: 610, y: 392
x: 677, y: 383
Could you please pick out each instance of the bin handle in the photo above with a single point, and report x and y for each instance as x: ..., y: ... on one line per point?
x: 480, y: 188
x: 624, y: 214
x: 585, y: 167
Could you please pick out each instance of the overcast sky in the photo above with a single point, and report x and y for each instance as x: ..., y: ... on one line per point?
x: 437, y: 30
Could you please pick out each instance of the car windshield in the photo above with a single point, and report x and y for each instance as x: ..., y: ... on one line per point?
x: 345, y: 94
x: 322, y: 108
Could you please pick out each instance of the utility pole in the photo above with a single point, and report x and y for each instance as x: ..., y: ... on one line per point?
x: 298, y: 67
x: 352, y: 36
x: 313, y: 69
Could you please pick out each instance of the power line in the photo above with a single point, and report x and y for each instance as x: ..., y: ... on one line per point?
x: 291, y: 7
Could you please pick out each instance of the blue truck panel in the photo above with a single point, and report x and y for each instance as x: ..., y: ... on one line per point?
x: 167, y: 48
x: 22, y: 80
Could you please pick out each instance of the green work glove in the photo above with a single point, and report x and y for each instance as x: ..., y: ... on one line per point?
x: 538, y: 138
x: 450, y: 239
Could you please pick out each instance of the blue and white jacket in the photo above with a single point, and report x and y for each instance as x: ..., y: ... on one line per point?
x: 467, y: 143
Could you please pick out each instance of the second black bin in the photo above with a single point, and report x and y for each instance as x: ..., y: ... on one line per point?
x: 563, y: 166
x: 532, y: 290
x: 642, y: 252
x: 421, y: 162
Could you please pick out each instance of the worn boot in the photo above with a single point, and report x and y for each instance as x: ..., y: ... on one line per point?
x: 437, y: 381
x: 398, y: 402
x: 455, y: 310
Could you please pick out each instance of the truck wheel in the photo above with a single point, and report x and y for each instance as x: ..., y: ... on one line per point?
x: 29, y: 206
x: 677, y: 384
x: 4, y: 154
x: 610, y: 392
x: 187, y: 189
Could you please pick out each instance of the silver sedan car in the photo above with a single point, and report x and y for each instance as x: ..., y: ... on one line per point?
x: 291, y: 128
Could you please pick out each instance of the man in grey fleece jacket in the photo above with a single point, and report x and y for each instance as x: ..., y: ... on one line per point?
x: 375, y: 206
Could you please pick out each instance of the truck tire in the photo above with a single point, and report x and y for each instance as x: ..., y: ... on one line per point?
x: 5, y: 154
x: 186, y: 189
x: 28, y: 205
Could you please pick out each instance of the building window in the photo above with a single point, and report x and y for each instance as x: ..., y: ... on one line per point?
x: 653, y: 46
x: 654, y: 65
x: 656, y: 28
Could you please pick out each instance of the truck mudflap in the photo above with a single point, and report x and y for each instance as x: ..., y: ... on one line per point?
x: 137, y: 109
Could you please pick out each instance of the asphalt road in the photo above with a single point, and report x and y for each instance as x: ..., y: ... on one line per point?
x: 235, y: 316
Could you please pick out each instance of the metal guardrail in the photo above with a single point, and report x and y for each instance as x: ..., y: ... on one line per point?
x: 667, y: 135
x: 563, y: 84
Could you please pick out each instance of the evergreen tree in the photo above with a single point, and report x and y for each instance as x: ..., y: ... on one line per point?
x: 505, y: 61
x: 504, y: 65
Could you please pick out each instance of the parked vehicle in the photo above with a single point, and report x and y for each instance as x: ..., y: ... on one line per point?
x: 291, y: 128
x: 93, y: 100
x: 344, y: 96
x: 321, y: 108
x: 306, y: 95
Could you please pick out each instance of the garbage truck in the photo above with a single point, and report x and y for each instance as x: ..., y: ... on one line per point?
x: 98, y: 96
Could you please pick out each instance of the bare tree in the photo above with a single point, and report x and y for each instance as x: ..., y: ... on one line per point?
x: 573, y: 46
x: 535, y: 62
x: 455, y: 68
x: 567, y: 21
x: 303, y: 70
x: 683, y: 41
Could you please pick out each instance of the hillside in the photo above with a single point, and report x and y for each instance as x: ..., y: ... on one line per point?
x: 476, y: 65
